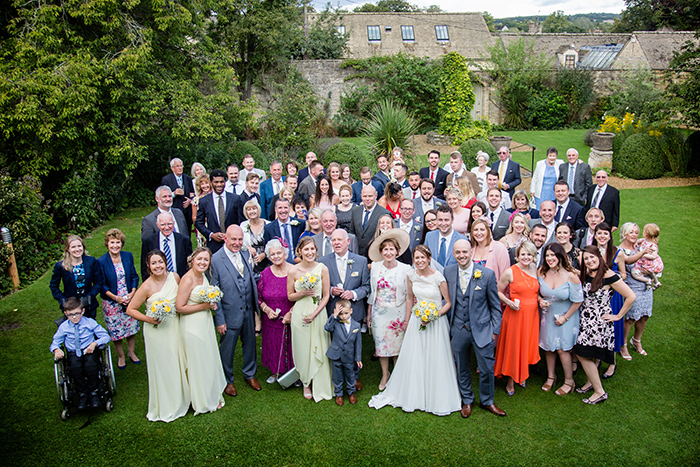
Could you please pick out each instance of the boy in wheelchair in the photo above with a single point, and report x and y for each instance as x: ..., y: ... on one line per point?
x: 81, y: 336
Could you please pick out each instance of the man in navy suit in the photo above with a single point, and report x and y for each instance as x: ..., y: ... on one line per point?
x: 164, y: 200
x: 508, y: 171
x: 435, y: 173
x: 182, y: 188
x: 577, y: 175
x: 217, y: 206
x: 251, y: 191
x: 284, y: 228
x: 365, y: 218
x: 606, y: 198
x: 177, y: 247
x: 271, y: 186
x: 382, y: 176
x: 427, y: 201
x: 475, y: 321
x: 303, y: 173
x: 329, y: 222
x: 365, y: 180
x: 568, y: 210
x: 442, y: 240
x: 400, y: 172
x: 234, y: 317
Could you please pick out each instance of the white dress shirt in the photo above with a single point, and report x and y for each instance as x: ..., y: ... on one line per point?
x: 171, y: 244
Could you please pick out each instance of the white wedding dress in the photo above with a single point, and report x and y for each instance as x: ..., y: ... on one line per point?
x: 424, y: 377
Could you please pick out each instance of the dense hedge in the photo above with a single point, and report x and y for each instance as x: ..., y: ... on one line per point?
x: 346, y: 153
x: 470, y: 147
x: 640, y: 157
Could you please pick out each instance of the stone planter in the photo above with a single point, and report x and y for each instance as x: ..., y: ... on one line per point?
x: 500, y: 141
x: 603, y: 141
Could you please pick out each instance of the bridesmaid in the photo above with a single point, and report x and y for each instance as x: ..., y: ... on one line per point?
x: 387, y: 302
x: 120, y: 283
x: 276, y: 351
x: 168, y: 391
x: 517, y: 343
x: 202, y: 359
x: 561, y: 296
x: 81, y: 276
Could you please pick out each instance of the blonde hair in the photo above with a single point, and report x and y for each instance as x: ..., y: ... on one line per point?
x: 517, y: 195
x: 316, y: 212
x: 378, y: 232
x: 466, y: 186
x: 195, y: 253
x: 198, y: 183
x: 518, y: 215
x: 489, y: 236
x: 251, y: 203
x: 527, y: 246
x: 651, y: 232
x: 627, y: 228
x: 67, y: 263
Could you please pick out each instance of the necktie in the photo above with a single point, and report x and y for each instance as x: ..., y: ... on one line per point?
x: 364, y: 221
x: 501, y: 172
x: 179, y: 181
x: 76, y: 341
x: 222, y: 214
x: 558, y: 212
x: 414, y: 195
x: 239, y: 263
x: 432, y: 176
x: 443, y: 251
x: 595, y: 198
x: 572, y: 169
x: 288, y: 237
x: 342, y: 270
x: 327, y: 245
x: 168, y: 254
x: 463, y: 281
x: 491, y: 217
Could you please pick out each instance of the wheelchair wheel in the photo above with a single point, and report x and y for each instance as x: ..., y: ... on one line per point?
x: 109, y: 371
x: 61, y: 381
x: 65, y: 413
x: 109, y: 405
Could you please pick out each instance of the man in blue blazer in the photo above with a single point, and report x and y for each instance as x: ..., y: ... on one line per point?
x: 568, y: 210
x: 183, y: 190
x: 270, y: 187
x: 179, y: 246
x: 508, y: 171
x: 427, y: 201
x: 475, y: 321
x: 435, y: 173
x: 208, y: 215
x: 284, y: 228
x: 234, y: 317
x: 383, y: 176
x: 442, y: 240
x: 365, y: 180
x: 353, y: 283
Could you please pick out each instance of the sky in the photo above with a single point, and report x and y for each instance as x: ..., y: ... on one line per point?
x: 505, y: 8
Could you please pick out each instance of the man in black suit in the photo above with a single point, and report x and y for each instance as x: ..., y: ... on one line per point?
x: 217, y: 211
x: 183, y: 190
x: 382, y: 177
x: 577, y: 174
x: 164, y: 200
x: 284, y: 228
x: 177, y: 247
x: 435, y: 173
x: 365, y: 218
x: 568, y: 210
x: 497, y: 214
x: 508, y: 171
x: 252, y: 184
x: 606, y: 198
x: 303, y: 173
x: 427, y: 201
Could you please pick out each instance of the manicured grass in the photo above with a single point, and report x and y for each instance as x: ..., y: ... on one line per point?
x: 543, y: 140
x: 650, y: 418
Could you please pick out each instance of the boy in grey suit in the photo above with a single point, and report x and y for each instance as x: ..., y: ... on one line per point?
x: 345, y: 350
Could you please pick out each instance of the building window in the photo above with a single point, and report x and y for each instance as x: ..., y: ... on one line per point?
x: 570, y: 61
x: 387, y: 29
x: 340, y: 30
x: 441, y: 34
x: 407, y: 34
x: 373, y: 34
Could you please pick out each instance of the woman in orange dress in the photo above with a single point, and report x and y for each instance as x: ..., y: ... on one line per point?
x: 520, y: 331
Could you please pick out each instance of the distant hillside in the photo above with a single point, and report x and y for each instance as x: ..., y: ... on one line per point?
x: 556, y: 22
x: 595, y: 17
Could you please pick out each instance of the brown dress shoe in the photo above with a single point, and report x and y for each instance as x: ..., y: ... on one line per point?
x: 254, y: 384
x: 358, y: 385
x: 339, y: 400
x: 352, y: 398
x: 230, y: 390
x: 493, y: 409
x: 466, y: 410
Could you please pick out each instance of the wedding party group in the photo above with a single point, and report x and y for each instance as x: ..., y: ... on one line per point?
x: 436, y: 264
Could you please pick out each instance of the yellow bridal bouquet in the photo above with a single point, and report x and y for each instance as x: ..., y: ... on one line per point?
x: 426, y: 312
x: 307, y: 282
x: 211, y: 294
x: 161, y: 310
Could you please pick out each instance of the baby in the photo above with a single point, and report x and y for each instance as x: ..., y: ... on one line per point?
x: 648, y: 268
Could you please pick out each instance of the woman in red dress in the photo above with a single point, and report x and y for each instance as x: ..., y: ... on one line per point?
x: 518, y: 342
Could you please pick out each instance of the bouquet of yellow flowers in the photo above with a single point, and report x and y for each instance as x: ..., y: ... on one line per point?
x: 425, y: 312
x: 307, y: 282
x: 211, y: 294
x: 161, y: 310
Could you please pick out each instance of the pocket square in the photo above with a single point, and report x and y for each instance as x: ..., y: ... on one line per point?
x: 355, y: 331
x: 477, y: 288
x: 355, y: 274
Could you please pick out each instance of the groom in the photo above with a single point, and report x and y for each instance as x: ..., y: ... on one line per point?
x: 475, y: 321
x: 232, y: 272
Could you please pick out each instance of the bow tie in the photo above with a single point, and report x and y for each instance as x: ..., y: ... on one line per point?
x: 347, y: 321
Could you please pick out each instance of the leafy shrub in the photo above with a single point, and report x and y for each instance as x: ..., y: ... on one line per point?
x: 390, y: 125
x: 588, y: 137
x: 478, y: 130
x: 325, y: 145
x: 470, y: 147
x: 547, y: 110
x: 347, y: 124
x: 34, y: 238
x: 575, y: 86
x: 640, y: 157
x: 240, y: 149
x: 677, y: 153
x: 692, y: 144
x: 456, y: 95
x: 346, y: 153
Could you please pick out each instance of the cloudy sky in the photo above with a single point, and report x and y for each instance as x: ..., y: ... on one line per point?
x: 506, y: 8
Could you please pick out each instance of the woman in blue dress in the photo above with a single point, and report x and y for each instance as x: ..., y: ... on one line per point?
x: 615, y: 260
x: 560, y: 298
x: 544, y: 177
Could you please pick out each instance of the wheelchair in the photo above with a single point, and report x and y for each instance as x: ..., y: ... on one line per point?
x: 67, y: 392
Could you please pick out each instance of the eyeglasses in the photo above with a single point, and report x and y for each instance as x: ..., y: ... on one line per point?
x: 503, y: 153
x: 74, y: 315
x: 430, y: 221
x: 408, y: 209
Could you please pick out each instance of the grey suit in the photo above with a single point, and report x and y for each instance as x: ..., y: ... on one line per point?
x: 415, y: 232
x: 474, y: 318
x: 307, y: 188
x: 149, y: 227
x: 356, y: 280
x: 419, y: 207
x: 365, y: 235
x: 583, y: 178
x: 318, y: 240
x: 345, y: 350
x: 500, y: 225
x: 236, y: 311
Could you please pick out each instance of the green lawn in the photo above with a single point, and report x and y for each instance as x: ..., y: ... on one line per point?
x: 649, y: 419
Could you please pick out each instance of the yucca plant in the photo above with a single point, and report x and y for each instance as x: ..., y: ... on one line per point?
x: 389, y: 125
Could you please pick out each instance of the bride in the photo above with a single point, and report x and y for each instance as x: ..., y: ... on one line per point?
x: 424, y: 377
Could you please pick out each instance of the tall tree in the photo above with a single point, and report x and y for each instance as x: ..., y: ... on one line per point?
x: 650, y: 15
x: 389, y: 5
x: 684, y: 84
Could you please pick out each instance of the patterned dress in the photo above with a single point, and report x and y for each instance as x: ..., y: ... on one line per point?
x: 388, y: 300
x: 119, y: 324
x: 596, y: 338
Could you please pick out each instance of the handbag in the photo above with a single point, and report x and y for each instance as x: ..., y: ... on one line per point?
x: 291, y: 376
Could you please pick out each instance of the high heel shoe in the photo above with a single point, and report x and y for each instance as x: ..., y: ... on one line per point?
x: 509, y: 392
x: 627, y: 357
x: 602, y: 398
x: 584, y: 389
x: 523, y: 384
x: 636, y: 343
x: 547, y: 386
x: 608, y: 376
x: 563, y: 392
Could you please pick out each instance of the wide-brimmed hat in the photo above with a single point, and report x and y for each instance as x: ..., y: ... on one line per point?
x: 401, y: 237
